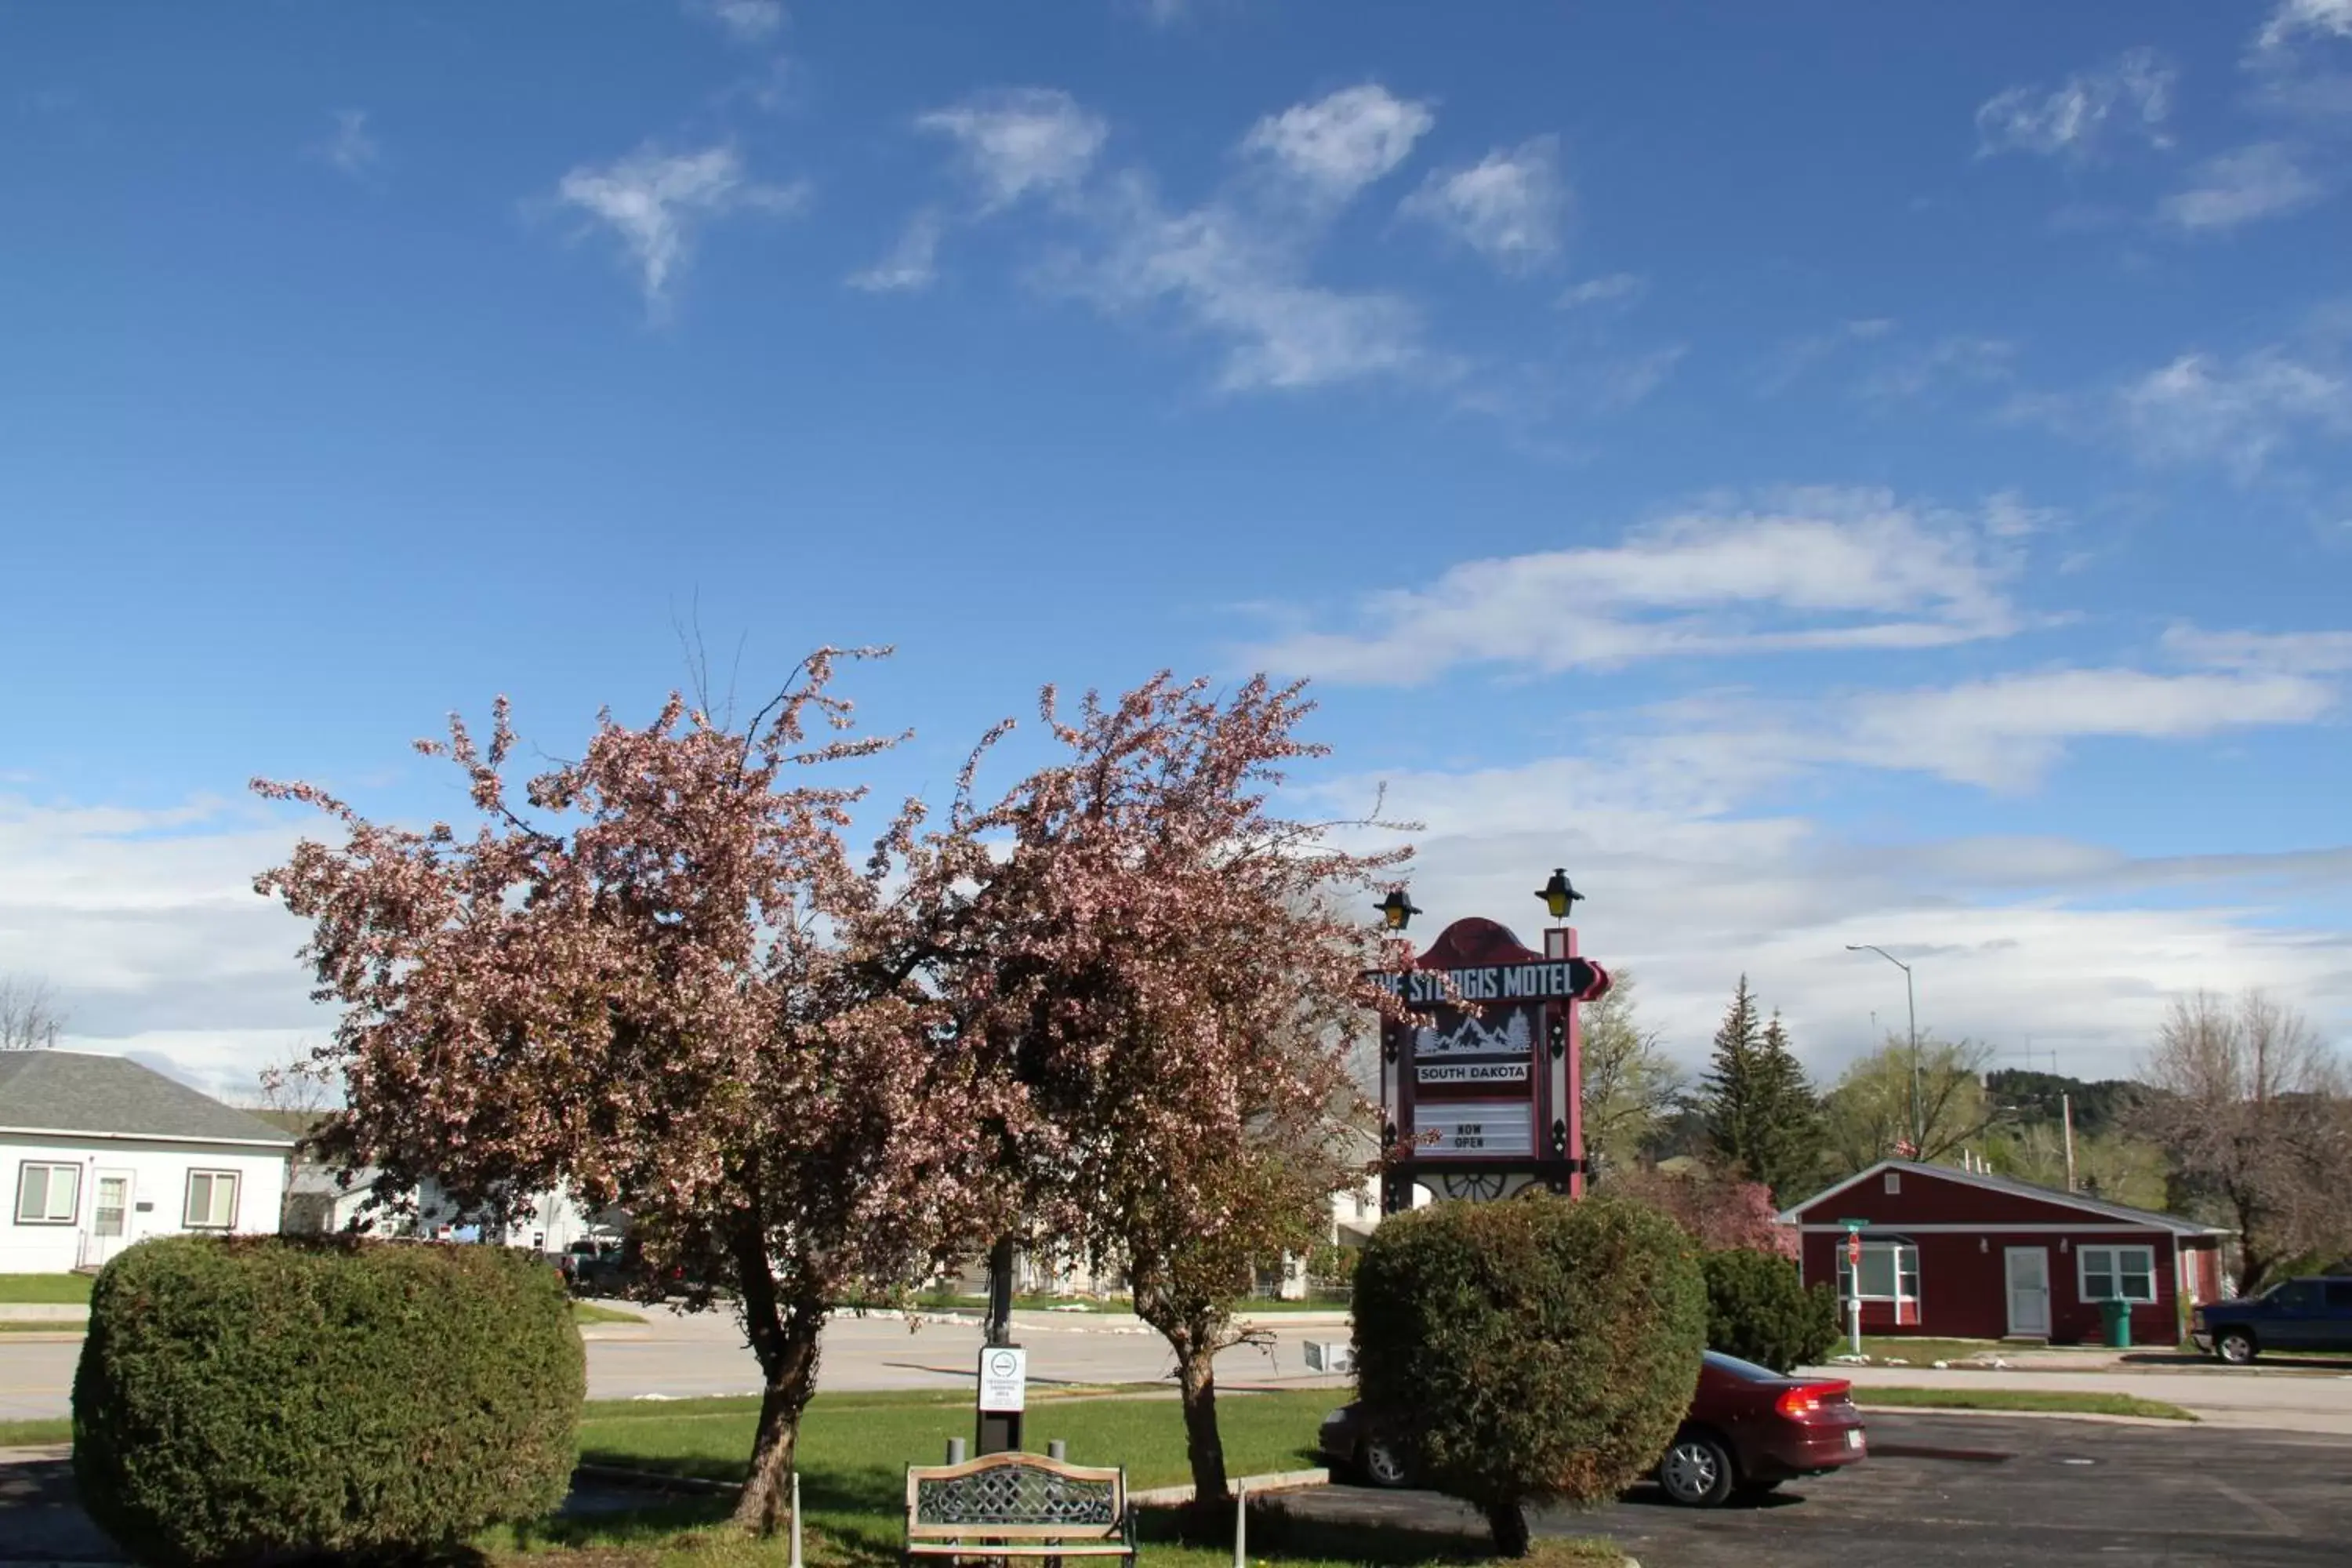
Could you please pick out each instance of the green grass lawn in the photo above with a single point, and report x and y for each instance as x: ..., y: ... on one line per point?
x: 35, y: 1326
x: 2053, y: 1401
x: 22, y: 1433
x: 854, y: 1448
x: 53, y: 1290
x: 589, y: 1312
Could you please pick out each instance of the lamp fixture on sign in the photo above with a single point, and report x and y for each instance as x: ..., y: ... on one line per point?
x: 1558, y: 895
x: 1397, y: 910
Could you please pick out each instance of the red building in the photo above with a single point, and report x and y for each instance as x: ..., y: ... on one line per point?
x: 1959, y: 1254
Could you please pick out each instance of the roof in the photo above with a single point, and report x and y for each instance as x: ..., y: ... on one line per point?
x: 2100, y: 1207
x: 325, y: 1181
x: 78, y: 1092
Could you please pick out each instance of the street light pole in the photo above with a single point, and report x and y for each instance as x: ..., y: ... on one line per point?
x: 1911, y: 1005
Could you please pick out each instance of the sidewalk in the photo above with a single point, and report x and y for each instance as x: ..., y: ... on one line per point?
x: 2279, y: 1402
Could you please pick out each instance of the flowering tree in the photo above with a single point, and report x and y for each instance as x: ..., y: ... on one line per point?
x: 659, y: 978
x: 1168, y: 973
x: 1717, y: 1207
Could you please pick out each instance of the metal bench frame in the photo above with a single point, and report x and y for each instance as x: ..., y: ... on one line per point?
x: 978, y: 1509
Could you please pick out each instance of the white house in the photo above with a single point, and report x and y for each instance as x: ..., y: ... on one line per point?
x: 320, y: 1203
x: 99, y: 1153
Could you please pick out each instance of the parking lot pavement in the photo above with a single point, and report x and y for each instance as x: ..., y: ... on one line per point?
x: 679, y: 1356
x: 1983, y: 1491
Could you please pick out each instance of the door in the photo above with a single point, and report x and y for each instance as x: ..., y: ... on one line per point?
x: 2029, y: 1292
x: 2339, y: 1316
x: 2294, y: 1319
x: 110, y: 1215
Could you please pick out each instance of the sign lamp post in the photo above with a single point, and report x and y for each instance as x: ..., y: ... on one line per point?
x: 1558, y: 895
x: 1396, y: 910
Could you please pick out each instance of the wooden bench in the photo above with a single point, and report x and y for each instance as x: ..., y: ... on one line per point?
x: 1017, y: 1505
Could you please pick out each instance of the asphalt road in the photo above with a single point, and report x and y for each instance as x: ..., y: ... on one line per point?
x: 1984, y: 1491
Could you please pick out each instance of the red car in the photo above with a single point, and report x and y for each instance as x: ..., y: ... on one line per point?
x: 1749, y: 1429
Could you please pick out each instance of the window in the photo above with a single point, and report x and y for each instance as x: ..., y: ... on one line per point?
x: 212, y: 1200
x: 47, y: 1194
x: 2116, y: 1273
x: 1890, y: 1272
x: 2339, y: 1297
x: 1894, y: 1183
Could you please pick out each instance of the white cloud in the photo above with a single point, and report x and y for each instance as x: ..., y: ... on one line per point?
x: 2005, y: 732
x: 912, y: 264
x: 1960, y: 358
x: 2074, y: 944
x: 146, y: 923
x: 1616, y: 288
x: 2297, y: 20
x: 657, y: 204
x: 1234, y: 277
x: 1236, y: 268
x: 351, y: 148
x: 1508, y: 206
x: 2128, y: 97
x: 1343, y: 142
x: 2293, y: 653
x: 1813, y: 569
x: 1799, y: 355
x: 2262, y: 181
x: 1020, y: 140
x: 2200, y: 408
x: 745, y: 21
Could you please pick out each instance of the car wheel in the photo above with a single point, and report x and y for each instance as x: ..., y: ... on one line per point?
x: 1696, y: 1471
x: 1384, y: 1463
x: 2235, y: 1346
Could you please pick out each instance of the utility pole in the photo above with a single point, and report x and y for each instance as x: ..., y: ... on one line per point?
x: 1911, y: 1006
x: 2066, y: 1114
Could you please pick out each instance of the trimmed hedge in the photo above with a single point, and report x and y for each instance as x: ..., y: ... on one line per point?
x: 1531, y: 1351
x: 1759, y: 1309
x: 274, y: 1399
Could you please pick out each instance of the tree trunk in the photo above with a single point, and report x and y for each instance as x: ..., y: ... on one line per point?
x: 784, y: 1337
x: 1508, y: 1523
x: 1196, y: 1375
x: 767, y: 1488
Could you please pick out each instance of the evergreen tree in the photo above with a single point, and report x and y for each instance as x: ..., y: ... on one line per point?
x: 1761, y: 1114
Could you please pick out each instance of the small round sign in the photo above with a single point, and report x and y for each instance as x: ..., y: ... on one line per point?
x: 1003, y: 1363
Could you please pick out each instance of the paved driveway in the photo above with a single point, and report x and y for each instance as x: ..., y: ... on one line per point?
x: 1983, y: 1491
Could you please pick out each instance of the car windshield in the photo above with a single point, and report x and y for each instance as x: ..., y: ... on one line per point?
x: 1746, y: 1370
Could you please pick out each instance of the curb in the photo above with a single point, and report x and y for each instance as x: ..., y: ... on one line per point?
x: 1272, y: 1482
x: 35, y: 1453
x: 2172, y: 1422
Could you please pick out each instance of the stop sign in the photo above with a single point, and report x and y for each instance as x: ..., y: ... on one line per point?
x: 1854, y: 1249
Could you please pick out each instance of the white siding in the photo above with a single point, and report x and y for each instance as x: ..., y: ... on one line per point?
x: 156, y: 1174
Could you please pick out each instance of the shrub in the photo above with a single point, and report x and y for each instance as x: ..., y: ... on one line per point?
x: 1532, y: 1350
x: 1760, y: 1311
x: 271, y: 1398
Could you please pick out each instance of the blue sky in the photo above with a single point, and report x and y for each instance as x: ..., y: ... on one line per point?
x: 1867, y: 474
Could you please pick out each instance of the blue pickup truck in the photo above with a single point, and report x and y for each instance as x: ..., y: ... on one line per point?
x: 2294, y: 1315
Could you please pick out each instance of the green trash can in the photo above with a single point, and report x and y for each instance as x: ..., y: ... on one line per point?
x: 2117, y: 1315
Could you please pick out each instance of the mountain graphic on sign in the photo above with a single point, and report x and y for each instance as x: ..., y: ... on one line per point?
x: 1470, y: 1037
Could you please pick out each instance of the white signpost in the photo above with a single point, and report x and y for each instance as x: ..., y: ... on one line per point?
x: 1003, y: 1379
